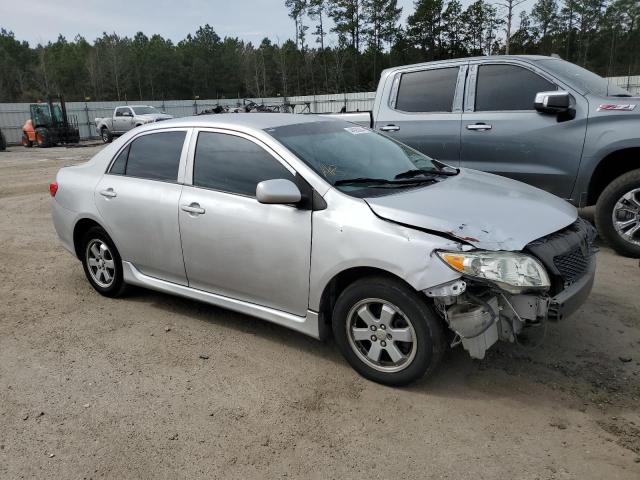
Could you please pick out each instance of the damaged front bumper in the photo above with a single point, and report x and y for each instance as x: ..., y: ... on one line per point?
x: 480, y: 314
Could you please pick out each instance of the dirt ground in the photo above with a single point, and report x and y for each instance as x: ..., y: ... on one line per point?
x: 98, y: 388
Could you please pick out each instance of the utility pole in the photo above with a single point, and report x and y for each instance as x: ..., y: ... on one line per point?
x: 509, y: 5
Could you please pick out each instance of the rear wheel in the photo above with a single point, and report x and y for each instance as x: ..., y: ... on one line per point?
x: 25, y: 141
x: 387, y: 332
x: 102, y: 263
x: 42, y: 138
x: 618, y: 214
x: 106, y: 136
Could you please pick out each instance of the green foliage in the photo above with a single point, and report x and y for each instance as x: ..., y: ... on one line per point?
x: 602, y: 36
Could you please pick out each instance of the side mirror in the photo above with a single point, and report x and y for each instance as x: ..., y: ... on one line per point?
x: 278, y: 191
x: 557, y: 101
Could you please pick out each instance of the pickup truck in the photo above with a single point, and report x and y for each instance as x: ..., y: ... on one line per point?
x: 537, y: 119
x: 125, y: 118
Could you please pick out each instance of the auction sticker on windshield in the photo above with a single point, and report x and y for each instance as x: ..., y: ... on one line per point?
x: 357, y: 130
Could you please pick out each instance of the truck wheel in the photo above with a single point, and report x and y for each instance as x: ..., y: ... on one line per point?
x: 106, y: 136
x: 42, y: 138
x: 618, y: 214
x: 25, y: 141
x: 387, y: 332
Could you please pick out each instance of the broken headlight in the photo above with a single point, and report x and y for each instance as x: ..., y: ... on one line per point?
x: 513, y: 272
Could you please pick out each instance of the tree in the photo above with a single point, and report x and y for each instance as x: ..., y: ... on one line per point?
x: 509, y: 6
x: 424, y: 27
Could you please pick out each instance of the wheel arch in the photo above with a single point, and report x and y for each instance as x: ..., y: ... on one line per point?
x: 81, y: 227
x: 611, y: 167
x: 342, y: 280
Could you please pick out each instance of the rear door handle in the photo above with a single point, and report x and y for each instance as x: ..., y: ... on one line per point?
x: 193, y: 208
x: 479, y: 126
x: 390, y: 128
x: 109, y: 193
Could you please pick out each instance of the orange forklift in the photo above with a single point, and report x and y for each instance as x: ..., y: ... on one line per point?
x: 50, y: 125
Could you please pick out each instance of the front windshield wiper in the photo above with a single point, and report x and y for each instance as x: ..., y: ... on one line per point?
x: 382, y: 181
x: 417, y: 172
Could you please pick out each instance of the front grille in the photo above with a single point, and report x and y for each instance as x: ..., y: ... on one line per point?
x: 572, y: 265
x: 566, y: 254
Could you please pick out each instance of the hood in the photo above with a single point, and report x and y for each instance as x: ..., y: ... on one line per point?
x: 484, y: 210
x: 154, y: 116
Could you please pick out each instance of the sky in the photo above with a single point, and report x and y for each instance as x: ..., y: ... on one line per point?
x: 40, y: 21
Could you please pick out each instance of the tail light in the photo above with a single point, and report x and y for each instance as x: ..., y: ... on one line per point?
x: 53, y: 189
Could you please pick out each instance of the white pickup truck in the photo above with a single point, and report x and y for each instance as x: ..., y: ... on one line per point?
x: 125, y: 118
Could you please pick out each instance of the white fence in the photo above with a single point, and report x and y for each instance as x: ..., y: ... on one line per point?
x: 14, y: 115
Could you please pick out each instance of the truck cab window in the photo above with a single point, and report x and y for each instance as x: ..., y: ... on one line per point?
x: 508, y: 87
x: 428, y: 90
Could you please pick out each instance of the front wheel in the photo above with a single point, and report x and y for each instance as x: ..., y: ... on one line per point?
x: 102, y: 263
x: 387, y: 332
x: 618, y: 214
x: 106, y: 135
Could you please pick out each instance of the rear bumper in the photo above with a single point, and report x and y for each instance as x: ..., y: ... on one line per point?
x: 571, y: 298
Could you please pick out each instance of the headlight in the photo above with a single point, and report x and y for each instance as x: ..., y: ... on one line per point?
x: 513, y: 272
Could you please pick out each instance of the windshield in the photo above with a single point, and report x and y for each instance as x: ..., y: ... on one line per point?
x: 145, y: 110
x: 585, y: 80
x: 356, y: 160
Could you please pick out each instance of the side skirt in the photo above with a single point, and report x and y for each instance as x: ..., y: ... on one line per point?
x: 309, y: 325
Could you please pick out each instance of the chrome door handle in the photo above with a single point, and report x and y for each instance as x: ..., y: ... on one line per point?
x: 193, y: 208
x: 109, y: 193
x: 390, y: 128
x: 479, y: 126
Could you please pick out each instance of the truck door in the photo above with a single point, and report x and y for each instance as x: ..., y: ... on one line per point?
x: 122, y: 120
x: 502, y: 133
x: 423, y: 108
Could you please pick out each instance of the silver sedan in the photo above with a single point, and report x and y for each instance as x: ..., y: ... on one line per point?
x: 323, y: 227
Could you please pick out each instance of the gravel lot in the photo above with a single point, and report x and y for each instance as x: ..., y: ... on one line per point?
x: 98, y: 388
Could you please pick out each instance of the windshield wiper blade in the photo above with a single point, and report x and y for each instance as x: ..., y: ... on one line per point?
x: 444, y: 168
x: 381, y: 181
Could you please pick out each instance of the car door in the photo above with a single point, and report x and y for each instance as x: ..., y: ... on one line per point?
x: 502, y: 133
x: 138, y: 200
x: 232, y: 244
x: 424, y: 110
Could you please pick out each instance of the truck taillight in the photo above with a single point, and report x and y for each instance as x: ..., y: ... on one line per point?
x: 53, y: 188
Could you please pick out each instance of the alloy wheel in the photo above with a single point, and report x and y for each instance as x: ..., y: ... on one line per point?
x: 381, y: 335
x: 100, y: 263
x: 626, y: 216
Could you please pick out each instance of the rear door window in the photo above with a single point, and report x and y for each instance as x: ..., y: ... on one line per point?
x: 234, y: 164
x: 508, y: 87
x: 428, y: 90
x: 155, y: 156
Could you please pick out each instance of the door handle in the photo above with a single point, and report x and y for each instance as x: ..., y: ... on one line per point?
x: 109, y: 193
x: 479, y: 126
x: 193, y: 208
x: 390, y: 128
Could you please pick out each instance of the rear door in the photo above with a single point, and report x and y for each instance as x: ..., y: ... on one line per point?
x: 138, y: 200
x: 424, y: 109
x: 502, y: 133
x: 234, y: 245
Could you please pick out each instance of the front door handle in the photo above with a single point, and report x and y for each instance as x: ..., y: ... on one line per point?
x: 479, y: 126
x: 109, y: 193
x: 193, y: 208
x: 390, y: 128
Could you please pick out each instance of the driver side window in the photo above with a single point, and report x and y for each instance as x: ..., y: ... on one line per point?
x: 508, y: 87
x: 234, y: 164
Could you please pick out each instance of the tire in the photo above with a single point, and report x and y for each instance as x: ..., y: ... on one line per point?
x: 3, y: 143
x: 42, y: 138
x: 620, y: 203
x: 105, y: 277
x: 25, y: 141
x: 407, y: 316
x: 106, y: 135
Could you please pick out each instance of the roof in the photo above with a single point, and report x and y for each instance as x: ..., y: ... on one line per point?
x: 241, y: 121
x: 530, y: 58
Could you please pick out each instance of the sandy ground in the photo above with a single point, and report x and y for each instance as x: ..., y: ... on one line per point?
x: 98, y: 388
